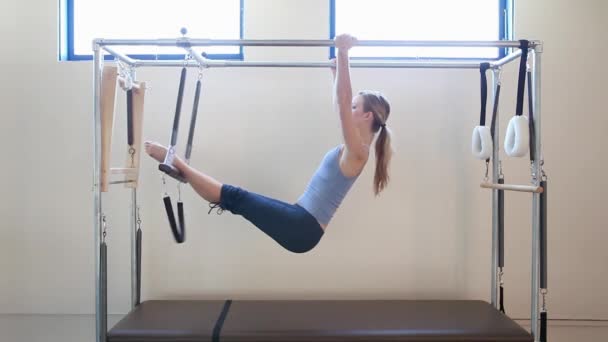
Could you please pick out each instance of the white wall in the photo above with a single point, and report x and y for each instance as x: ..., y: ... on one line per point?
x: 11, y: 199
x: 427, y: 236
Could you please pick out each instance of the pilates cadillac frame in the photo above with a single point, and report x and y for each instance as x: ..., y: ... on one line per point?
x: 535, y: 49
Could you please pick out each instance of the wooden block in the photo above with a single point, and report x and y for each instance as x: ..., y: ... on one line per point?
x: 108, y: 102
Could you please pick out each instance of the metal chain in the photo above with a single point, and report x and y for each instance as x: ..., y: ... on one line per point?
x: 500, y: 277
x: 125, y: 72
x: 164, y: 184
x: 500, y: 174
x: 543, y: 293
x: 132, y: 153
x: 499, y: 78
x: 104, y: 229
x: 487, y: 170
x: 533, y: 172
x: 138, y: 219
x: 543, y: 175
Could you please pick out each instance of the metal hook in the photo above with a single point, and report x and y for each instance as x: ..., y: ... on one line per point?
x: 500, y: 174
x: 533, y: 172
x: 543, y: 175
x: 164, y: 184
x: 499, y: 75
x: 138, y: 219
x: 543, y: 293
x: 500, y: 277
x: 487, y: 170
x: 105, y: 227
x: 132, y: 153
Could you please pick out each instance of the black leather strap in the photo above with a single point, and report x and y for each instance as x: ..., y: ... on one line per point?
x: 483, y: 67
x: 217, y: 330
x: 521, y: 84
x: 179, y: 233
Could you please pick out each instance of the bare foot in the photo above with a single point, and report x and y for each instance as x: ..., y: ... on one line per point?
x: 155, y: 150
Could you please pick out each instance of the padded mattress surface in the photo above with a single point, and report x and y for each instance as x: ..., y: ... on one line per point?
x: 349, y: 320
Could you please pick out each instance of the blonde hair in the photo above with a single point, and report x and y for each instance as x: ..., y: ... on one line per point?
x: 376, y: 103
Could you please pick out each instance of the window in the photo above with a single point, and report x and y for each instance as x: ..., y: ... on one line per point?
x: 83, y: 20
x: 422, y: 20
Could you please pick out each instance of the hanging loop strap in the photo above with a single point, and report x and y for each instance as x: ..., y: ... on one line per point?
x: 521, y: 83
x: 179, y: 232
x: 483, y: 67
x: 482, y: 142
x: 167, y: 166
x: 178, y: 106
x: 197, y: 96
x: 517, y: 138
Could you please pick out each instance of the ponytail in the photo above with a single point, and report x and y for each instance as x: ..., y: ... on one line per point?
x: 376, y: 103
x: 383, y: 157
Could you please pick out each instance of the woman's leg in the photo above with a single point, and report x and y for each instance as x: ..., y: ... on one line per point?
x: 204, y: 185
x: 290, y: 225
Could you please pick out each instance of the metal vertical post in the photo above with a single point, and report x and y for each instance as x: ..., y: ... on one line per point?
x: 100, y: 286
x: 495, y: 218
x: 134, y: 265
x: 535, y: 291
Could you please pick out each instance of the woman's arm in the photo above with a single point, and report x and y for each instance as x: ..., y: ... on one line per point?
x: 352, y: 138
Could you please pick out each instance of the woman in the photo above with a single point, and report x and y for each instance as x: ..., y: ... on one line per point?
x: 299, y: 227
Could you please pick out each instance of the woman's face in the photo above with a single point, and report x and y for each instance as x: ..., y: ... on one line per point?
x: 359, y: 113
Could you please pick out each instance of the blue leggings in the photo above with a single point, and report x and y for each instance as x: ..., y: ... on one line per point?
x: 290, y: 225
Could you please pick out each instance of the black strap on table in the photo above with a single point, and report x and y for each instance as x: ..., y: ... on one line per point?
x: 483, y: 67
x: 179, y: 232
x: 521, y: 83
x: 217, y: 329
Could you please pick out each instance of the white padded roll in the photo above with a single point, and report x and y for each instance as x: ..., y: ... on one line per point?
x: 482, y: 146
x: 517, y: 139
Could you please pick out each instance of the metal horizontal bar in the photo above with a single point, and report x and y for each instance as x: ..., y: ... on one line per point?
x: 511, y: 187
x: 197, y: 56
x: 123, y: 58
x: 510, y: 57
x: 122, y: 182
x: 354, y: 64
x: 306, y: 43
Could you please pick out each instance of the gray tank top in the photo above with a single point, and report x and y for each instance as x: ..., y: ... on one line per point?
x: 327, y: 188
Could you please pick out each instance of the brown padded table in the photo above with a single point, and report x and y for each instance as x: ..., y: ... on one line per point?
x: 318, y: 320
x: 168, y: 320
